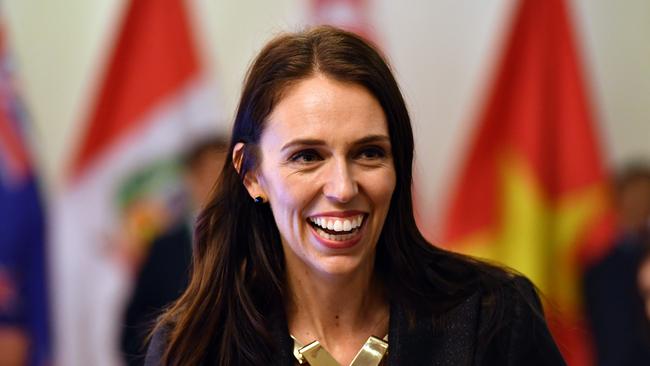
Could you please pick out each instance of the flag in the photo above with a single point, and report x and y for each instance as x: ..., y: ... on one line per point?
x: 532, y: 192
x: 23, y: 291
x: 154, y: 99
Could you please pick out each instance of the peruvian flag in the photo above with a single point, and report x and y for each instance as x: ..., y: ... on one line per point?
x: 533, y: 191
x: 154, y: 99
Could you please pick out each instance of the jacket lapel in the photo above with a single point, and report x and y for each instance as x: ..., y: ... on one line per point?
x: 280, y: 332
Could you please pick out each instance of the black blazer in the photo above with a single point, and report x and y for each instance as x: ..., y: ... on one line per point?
x: 521, y: 339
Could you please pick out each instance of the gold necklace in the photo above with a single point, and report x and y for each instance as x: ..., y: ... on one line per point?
x: 314, y: 354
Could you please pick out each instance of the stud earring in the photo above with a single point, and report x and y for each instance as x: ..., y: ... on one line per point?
x: 259, y: 199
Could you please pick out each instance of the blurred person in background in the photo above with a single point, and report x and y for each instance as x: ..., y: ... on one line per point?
x: 613, y: 304
x: 163, y: 272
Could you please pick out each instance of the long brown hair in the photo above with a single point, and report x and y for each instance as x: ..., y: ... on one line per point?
x: 237, y: 280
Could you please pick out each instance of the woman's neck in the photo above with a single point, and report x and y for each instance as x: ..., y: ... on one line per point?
x: 340, y: 311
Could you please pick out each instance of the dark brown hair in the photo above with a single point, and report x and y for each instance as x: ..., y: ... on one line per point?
x: 237, y: 283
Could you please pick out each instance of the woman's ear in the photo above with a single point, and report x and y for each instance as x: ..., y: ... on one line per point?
x: 238, y: 156
x: 250, y: 179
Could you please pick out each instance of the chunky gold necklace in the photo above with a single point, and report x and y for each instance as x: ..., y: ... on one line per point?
x: 315, y: 354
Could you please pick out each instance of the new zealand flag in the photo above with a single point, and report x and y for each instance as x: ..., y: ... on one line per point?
x: 24, y: 325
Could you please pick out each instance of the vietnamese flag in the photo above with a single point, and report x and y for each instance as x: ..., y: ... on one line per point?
x: 153, y: 101
x: 532, y: 193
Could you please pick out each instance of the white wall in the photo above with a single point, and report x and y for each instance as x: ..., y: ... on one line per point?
x: 442, y: 50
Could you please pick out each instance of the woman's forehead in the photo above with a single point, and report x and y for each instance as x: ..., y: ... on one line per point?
x: 319, y: 107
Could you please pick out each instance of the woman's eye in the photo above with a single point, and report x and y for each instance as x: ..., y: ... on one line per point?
x: 371, y: 153
x: 305, y: 156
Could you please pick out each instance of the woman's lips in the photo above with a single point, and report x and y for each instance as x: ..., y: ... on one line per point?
x: 338, y: 231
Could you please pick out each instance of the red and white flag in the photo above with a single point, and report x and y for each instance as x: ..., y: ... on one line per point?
x: 154, y: 99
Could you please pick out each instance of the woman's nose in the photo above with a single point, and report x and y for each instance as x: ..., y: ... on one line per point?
x: 340, y: 185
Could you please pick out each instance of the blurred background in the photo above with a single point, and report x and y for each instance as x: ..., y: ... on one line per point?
x: 118, y: 101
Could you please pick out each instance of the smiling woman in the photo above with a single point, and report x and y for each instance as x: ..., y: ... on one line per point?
x: 308, y: 252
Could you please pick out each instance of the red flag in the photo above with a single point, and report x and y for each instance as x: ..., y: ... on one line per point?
x: 532, y: 193
x: 154, y: 57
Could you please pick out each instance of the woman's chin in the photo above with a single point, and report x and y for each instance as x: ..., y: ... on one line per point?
x: 342, y: 266
x: 324, y: 257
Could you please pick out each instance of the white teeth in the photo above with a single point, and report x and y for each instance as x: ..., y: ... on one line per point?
x: 338, y: 225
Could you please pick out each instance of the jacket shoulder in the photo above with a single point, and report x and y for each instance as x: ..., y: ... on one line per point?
x: 513, y: 327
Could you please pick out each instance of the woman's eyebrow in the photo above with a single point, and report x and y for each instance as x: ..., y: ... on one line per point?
x: 317, y: 142
x: 372, y: 138
x: 302, y: 142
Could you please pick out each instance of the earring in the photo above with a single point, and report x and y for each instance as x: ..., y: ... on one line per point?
x: 259, y: 199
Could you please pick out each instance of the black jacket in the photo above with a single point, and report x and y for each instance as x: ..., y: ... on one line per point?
x: 521, y: 337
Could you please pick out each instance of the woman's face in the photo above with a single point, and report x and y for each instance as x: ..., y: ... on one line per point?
x: 327, y: 172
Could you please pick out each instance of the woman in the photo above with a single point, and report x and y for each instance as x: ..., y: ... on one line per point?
x: 309, y: 245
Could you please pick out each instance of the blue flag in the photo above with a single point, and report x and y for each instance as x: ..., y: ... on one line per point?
x: 23, y: 292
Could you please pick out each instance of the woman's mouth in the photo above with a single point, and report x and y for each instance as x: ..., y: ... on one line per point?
x: 337, y: 232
